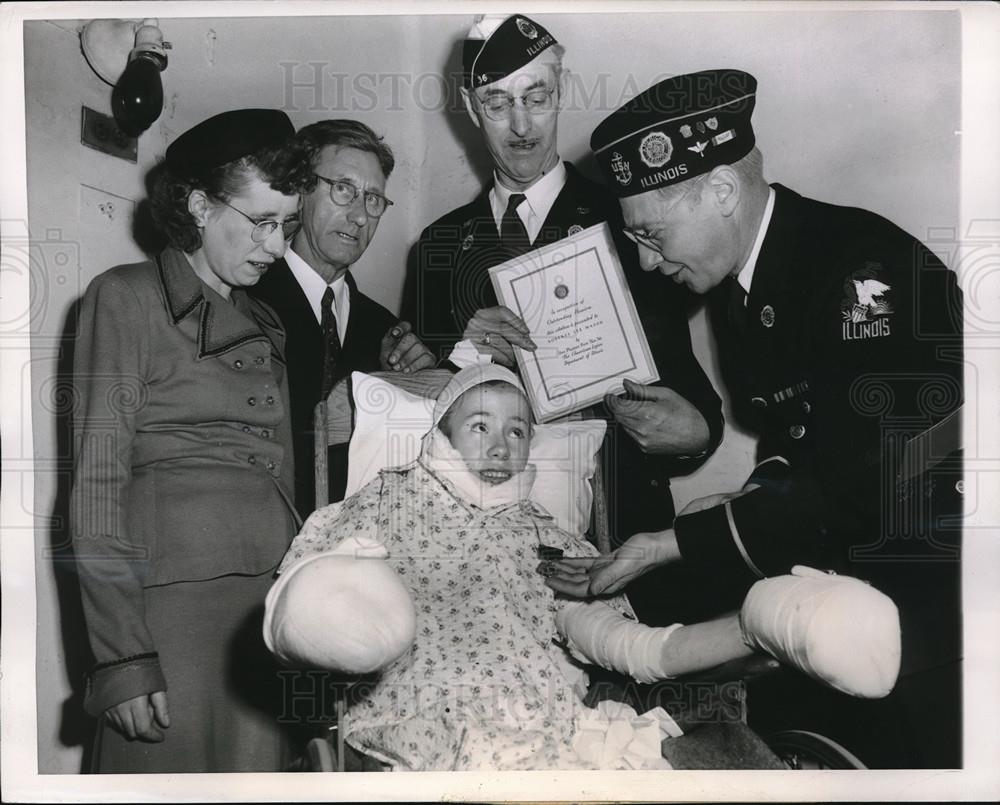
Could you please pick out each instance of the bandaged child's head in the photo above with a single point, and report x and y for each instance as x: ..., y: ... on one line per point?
x: 485, y: 415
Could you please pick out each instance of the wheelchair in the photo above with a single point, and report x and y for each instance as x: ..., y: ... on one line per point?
x: 710, y: 706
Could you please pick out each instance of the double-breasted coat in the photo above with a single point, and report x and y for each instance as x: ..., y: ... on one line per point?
x: 183, y: 466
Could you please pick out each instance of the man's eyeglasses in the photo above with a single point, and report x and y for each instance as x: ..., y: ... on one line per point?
x: 343, y: 193
x: 536, y: 102
x: 642, y: 238
x: 262, y: 230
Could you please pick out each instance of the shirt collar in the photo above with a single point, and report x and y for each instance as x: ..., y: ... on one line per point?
x: 540, y: 196
x: 314, y: 286
x: 745, y: 277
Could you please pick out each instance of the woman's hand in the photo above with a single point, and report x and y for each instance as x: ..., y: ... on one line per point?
x: 139, y: 717
x: 586, y: 577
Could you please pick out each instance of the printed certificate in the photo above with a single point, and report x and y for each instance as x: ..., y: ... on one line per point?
x: 573, y: 297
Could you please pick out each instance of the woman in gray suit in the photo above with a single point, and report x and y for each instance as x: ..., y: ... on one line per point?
x: 182, y: 503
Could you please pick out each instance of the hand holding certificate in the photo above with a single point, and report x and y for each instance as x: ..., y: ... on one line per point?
x: 573, y: 297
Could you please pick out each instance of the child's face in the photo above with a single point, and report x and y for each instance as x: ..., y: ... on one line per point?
x: 491, y: 429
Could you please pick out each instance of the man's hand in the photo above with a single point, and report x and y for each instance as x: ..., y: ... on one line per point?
x: 402, y: 351
x: 586, y: 577
x: 496, y: 331
x: 710, y: 501
x: 138, y: 717
x: 660, y: 420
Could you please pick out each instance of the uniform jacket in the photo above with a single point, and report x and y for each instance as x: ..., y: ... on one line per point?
x: 452, y: 282
x: 852, y: 345
x: 183, y: 453
x: 366, y: 326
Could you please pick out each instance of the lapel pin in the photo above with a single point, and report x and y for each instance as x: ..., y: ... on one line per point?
x: 767, y: 316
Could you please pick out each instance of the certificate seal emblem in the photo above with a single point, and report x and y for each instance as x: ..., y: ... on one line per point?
x: 561, y: 291
x: 767, y: 316
x: 656, y: 149
x: 575, y: 229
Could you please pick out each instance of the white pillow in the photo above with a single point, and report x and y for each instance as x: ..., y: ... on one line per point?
x: 390, y: 422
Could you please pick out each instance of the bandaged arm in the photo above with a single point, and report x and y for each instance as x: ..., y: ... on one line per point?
x: 598, y: 634
x: 836, y: 629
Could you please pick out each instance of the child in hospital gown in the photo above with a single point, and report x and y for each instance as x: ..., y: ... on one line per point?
x: 483, y: 686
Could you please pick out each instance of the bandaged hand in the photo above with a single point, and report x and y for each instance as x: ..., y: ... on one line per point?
x: 834, y: 628
x: 595, y: 633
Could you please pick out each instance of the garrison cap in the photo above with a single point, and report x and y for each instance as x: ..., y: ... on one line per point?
x: 676, y: 130
x: 226, y: 137
x: 496, y: 47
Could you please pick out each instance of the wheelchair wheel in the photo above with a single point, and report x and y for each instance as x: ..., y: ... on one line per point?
x: 802, y: 750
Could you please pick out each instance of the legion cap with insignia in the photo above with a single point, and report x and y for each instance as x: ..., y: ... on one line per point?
x: 498, y: 45
x: 227, y: 137
x: 676, y: 130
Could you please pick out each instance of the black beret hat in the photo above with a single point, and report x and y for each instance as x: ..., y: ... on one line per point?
x: 515, y: 42
x: 227, y: 137
x: 676, y: 130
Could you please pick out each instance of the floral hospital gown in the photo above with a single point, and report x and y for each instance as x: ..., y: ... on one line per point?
x: 483, y: 686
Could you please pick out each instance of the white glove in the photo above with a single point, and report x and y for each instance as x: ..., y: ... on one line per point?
x: 598, y: 634
x: 837, y: 629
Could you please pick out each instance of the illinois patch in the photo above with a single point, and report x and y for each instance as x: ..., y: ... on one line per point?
x: 866, y: 308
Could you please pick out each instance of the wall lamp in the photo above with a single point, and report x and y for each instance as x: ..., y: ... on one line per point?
x: 128, y: 55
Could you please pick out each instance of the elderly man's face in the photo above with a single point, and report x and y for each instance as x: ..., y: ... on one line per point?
x: 522, y: 143
x: 333, y: 236
x: 683, y: 235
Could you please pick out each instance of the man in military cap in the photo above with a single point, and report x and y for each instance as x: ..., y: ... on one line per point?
x: 332, y: 328
x: 514, y: 84
x: 845, y: 339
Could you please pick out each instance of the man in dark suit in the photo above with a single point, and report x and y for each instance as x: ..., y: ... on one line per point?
x: 845, y: 339
x: 332, y: 329
x: 513, y: 87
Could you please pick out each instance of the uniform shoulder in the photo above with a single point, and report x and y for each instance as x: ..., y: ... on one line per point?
x: 456, y: 217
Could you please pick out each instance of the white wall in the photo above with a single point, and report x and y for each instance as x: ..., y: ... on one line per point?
x: 859, y: 108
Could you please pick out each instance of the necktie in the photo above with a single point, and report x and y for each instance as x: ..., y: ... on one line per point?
x: 737, y: 306
x: 512, y: 232
x: 331, y: 342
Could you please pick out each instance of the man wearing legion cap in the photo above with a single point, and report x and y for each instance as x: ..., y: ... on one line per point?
x: 844, y: 336
x: 514, y: 85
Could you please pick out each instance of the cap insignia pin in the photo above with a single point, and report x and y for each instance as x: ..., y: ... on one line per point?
x: 621, y: 169
x: 656, y: 149
x: 526, y: 28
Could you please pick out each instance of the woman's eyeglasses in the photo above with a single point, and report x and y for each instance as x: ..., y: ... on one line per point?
x: 343, y: 193
x: 262, y: 230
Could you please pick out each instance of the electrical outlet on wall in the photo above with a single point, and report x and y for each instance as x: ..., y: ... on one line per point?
x: 101, y: 132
